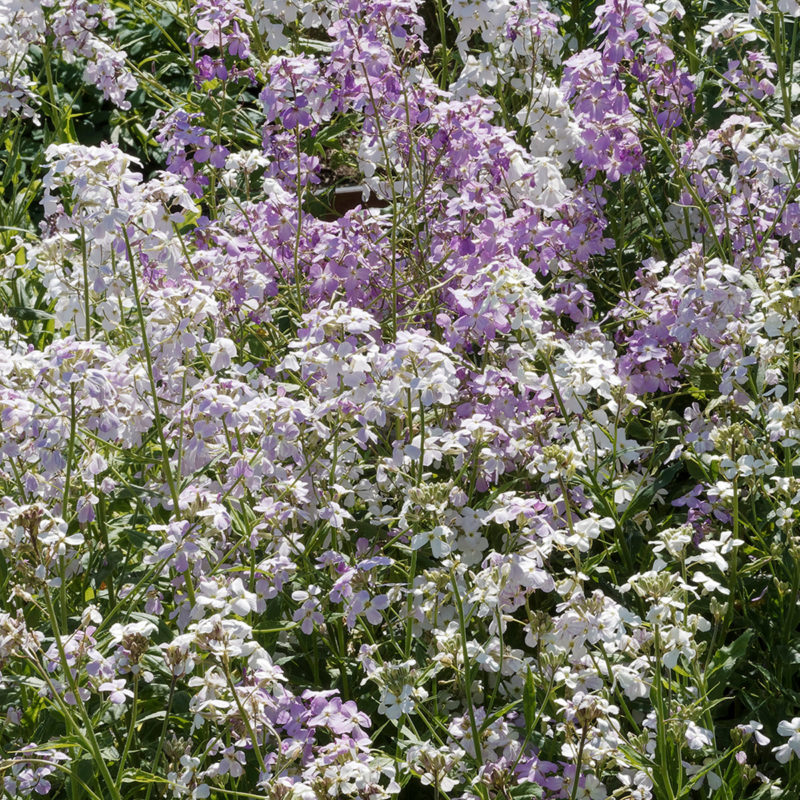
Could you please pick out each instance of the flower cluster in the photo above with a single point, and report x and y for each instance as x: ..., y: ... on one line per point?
x: 69, y: 27
x: 402, y: 401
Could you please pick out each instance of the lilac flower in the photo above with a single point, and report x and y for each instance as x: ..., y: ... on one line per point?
x: 308, y: 614
x: 370, y: 606
x: 33, y: 776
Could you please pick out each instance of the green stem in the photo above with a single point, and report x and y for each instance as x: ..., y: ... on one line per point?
x: 787, y: 452
x: 87, y: 306
x: 160, y: 743
x: 579, y: 761
x: 462, y: 624
x: 131, y: 727
x: 91, y: 739
x: 243, y: 713
x: 661, y: 734
x: 410, y: 605
x: 166, y: 467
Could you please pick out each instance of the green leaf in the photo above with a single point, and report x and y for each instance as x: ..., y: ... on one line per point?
x: 133, y: 775
x: 725, y: 659
x: 20, y: 313
x: 638, y: 431
x: 110, y: 753
x: 527, y: 791
x: 644, y: 498
x: 636, y: 758
x: 496, y: 714
x: 85, y: 769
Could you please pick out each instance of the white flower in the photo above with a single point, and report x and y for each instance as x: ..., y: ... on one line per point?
x: 631, y: 682
x: 394, y: 705
x: 708, y: 584
x: 791, y: 729
x: 117, y: 691
x: 142, y: 628
x: 754, y: 728
x: 696, y: 737
x: 439, y: 539
x: 714, y: 781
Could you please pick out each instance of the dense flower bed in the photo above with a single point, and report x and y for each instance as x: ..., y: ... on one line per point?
x: 399, y: 399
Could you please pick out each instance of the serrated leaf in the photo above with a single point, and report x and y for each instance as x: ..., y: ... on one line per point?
x: 133, y: 775
x: 110, y: 753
